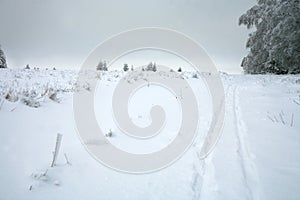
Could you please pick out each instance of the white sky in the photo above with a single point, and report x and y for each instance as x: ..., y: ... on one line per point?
x: 59, y: 33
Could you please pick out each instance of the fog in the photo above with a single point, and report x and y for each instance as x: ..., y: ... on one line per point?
x: 61, y: 34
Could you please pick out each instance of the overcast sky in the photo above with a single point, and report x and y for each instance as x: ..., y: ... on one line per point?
x: 48, y: 33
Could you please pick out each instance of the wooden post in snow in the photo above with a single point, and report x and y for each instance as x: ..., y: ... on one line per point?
x: 56, y: 150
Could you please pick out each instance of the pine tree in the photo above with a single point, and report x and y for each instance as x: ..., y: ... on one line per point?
x: 149, y: 67
x: 102, y: 66
x: 27, y: 66
x: 3, y: 63
x: 275, y: 43
x: 125, y: 68
x: 179, y: 69
x: 154, y: 68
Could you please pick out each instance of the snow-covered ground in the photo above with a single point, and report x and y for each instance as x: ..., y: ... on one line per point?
x: 257, y: 156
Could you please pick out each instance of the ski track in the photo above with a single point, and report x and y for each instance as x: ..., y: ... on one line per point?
x: 247, y: 165
x: 209, y: 185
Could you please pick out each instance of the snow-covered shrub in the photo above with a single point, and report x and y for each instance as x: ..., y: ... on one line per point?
x: 53, y: 96
x: 87, y: 86
x: 44, y: 178
x: 40, y: 175
x: 11, y: 96
x: 195, y: 75
x: 31, y: 102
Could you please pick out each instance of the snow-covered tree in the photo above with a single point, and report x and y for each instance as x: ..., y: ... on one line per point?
x: 102, y: 66
x: 275, y: 44
x: 125, y: 68
x: 3, y: 63
x: 179, y: 69
x: 151, y: 67
x: 27, y: 66
x: 154, y: 68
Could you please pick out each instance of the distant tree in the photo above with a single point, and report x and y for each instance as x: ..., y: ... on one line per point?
x: 102, y: 66
x: 3, y: 63
x: 275, y: 43
x: 54, y: 68
x: 151, y: 67
x: 179, y: 69
x: 27, y: 66
x: 125, y: 68
x: 132, y: 68
x: 109, y: 134
x: 154, y: 68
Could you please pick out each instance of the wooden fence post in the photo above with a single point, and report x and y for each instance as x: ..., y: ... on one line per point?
x: 56, y: 150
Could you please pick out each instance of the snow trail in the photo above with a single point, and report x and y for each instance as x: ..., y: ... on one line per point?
x: 209, y: 186
x: 247, y: 166
x: 228, y: 159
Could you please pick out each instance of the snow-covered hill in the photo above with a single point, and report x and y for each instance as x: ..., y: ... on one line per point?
x: 257, y: 156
